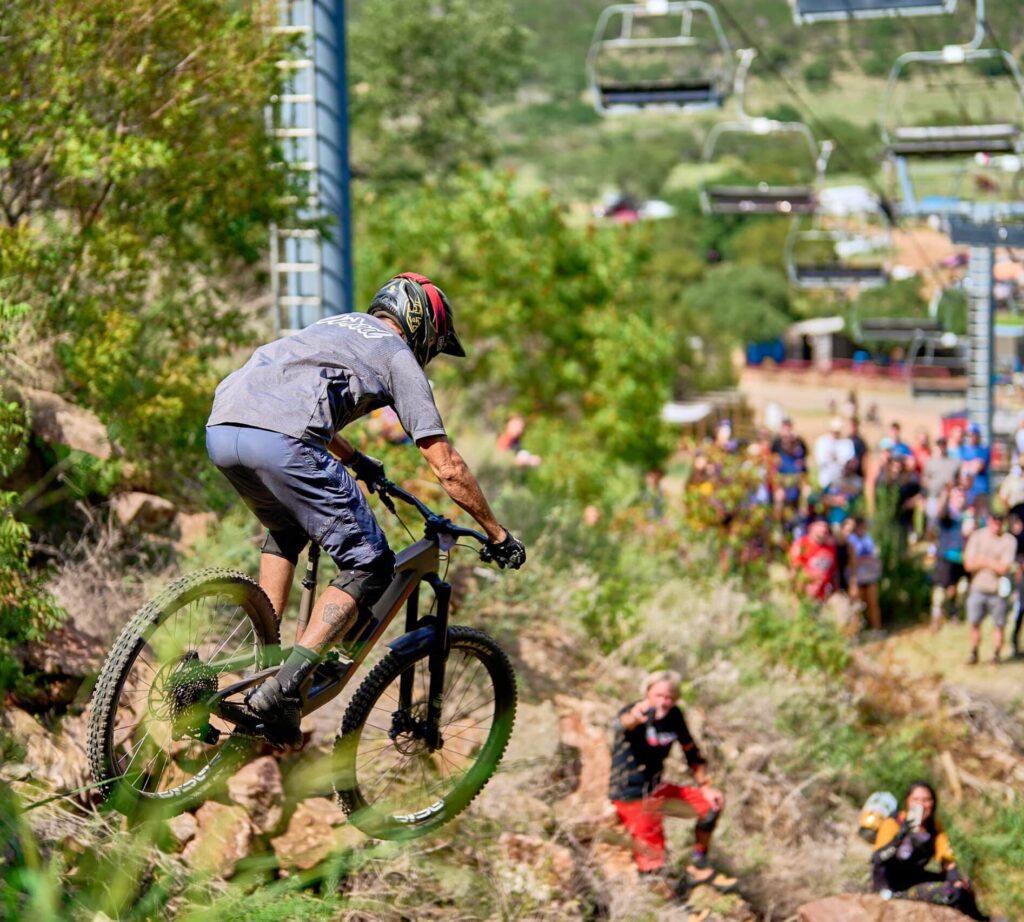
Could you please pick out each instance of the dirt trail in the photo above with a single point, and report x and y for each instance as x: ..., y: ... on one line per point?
x: 944, y: 654
x: 808, y: 402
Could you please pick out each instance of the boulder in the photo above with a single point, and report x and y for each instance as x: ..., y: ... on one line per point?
x: 192, y: 527
x: 64, y: 660
x: 257, y: 789
x: 143, y: 510
x: 223, y: 838
x: 58, y: 422
x: 58, y: 761
x: 67, y: 651
x: 872, y: 908
x: 555, y: 862
x: 311, y: 837
x: 183, y: 828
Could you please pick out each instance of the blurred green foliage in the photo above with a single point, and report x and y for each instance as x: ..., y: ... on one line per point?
x: 139, y: 181
x: 422, y: 73
x: 556, y: 316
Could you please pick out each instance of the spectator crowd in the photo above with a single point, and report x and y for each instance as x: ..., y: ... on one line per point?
x: 845, y: 516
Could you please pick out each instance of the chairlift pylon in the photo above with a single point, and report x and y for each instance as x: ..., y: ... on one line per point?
x: 810, y: 11
x: 762, y: 197
x: 662, y: 84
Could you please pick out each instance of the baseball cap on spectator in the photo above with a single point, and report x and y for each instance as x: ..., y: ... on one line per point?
x: 974, y: 429
x: 835, y: 424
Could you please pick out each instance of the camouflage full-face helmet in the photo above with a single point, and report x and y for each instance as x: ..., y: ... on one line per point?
x: 421, y: 309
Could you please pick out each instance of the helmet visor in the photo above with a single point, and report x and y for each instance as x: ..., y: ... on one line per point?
x: 452, y: 346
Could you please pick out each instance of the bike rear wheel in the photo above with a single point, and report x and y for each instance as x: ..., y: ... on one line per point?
x: 152, y: 741
x: 391, y: 785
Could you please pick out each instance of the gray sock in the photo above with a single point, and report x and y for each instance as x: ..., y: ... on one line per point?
x: 300, y: 663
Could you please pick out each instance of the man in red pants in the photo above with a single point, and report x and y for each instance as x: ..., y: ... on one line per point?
x: 644, y: 734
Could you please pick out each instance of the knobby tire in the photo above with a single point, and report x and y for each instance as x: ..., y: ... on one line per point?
x: 116, y: 790
x: 374, y: 818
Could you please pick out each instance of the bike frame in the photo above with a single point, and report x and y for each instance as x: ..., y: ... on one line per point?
x: 416, y: 564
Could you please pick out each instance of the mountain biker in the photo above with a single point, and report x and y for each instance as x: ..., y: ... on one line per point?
x: 274, y: 433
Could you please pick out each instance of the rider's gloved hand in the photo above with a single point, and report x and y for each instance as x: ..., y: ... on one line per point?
x: 367, y: 469
x: 508, y: 553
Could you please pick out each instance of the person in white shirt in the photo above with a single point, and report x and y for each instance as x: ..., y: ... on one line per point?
x: 831, y: 452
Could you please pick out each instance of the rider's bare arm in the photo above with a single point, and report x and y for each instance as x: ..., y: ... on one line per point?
x: 459, y: 483
x: 341, y: 447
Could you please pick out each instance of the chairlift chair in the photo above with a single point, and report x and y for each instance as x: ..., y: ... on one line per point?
x: 763, y: 196
x: 1001, y: 134
x: 840, y: 270
x: 649, y: 75
x: 809, y: 11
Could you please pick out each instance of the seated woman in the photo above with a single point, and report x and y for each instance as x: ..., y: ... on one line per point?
x: 906, y: 844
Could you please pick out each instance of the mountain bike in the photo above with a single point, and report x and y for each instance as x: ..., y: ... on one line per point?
x: 420, y: 738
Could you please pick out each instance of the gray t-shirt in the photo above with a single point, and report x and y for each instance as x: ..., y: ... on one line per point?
x: 939, y: 470
x: 315, y: 382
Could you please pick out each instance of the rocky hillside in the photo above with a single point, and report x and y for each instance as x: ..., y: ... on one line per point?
x: 795, y: 740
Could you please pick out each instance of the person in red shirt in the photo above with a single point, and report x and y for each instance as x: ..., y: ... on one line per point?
x: 815, y: 560
x: 921, y: 449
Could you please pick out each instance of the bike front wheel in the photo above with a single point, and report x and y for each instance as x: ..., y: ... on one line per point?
x: 152, y: 740
x: 389, y: 781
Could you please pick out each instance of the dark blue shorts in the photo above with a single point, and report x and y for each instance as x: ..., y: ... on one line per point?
x: 299, y: 491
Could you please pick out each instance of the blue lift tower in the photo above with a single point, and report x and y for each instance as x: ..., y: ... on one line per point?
x: 311, y: 273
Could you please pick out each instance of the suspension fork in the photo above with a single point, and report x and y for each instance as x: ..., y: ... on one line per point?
x: 437, y: 660
x: 405, y: 681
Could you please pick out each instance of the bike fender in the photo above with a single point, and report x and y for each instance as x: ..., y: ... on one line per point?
x: 415, y: 642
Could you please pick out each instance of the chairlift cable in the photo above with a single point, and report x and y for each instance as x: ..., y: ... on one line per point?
x: 885, y: 205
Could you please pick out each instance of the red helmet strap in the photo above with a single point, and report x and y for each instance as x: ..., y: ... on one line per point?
x: 434, y: 296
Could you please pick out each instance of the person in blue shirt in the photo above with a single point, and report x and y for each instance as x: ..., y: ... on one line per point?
x: 976, y: 458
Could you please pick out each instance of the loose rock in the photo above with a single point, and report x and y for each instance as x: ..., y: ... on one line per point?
x: 223, y: 838
x: 257, y: 789
x: 310, y: 836
x: 871, y: 908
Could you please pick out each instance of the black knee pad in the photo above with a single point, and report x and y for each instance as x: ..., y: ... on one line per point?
x: 708, y: 822
x: 367, y: 585
x: 286, y: 544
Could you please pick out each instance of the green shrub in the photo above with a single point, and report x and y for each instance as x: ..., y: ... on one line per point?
x: 988, y: 840
x: 818, y: 74
x: 27, y: 611
x: 802, y: 640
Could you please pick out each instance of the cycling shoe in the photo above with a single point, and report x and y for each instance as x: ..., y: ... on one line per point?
x: 281, y: 714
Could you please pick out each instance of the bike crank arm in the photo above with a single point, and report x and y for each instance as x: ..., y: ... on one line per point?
x: 215, y: 702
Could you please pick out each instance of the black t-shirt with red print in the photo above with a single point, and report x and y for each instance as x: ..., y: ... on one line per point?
x: 638, y: 755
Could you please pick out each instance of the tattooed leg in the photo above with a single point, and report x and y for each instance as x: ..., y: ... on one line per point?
x: 334, y: 613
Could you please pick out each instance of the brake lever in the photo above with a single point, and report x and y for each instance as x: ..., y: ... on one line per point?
x: 380, y: 489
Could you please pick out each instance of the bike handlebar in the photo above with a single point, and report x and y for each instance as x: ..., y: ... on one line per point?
x: 437, y: 524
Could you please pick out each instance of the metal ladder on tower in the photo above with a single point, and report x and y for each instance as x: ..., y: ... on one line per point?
x: 296, y: 256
